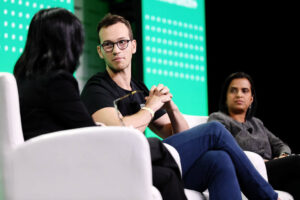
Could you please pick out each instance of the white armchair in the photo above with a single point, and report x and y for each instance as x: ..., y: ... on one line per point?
x: 255, y: 159
x: 110, y: 163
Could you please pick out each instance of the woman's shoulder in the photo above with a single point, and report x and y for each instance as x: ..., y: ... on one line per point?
x: 219, y: 115
x: 61, y: 80
x: 60, y: 75
x: 43, y: 82
x: 224, y: 119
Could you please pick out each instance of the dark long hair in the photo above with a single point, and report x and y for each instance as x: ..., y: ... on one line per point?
x: 222, y: 104
x: 54, y: 42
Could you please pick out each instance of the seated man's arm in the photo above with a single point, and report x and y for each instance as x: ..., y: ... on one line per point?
x: 109, y: 117
x: 159, y: 97
x: 171, y: 123
x: 140, y: 120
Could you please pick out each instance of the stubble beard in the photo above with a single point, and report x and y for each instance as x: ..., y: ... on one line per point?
x: 116, y: 70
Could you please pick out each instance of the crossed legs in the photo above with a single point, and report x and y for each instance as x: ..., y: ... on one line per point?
x: 200, y: 146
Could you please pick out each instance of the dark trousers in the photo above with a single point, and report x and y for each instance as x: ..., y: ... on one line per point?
x: 284, y: 174
x: 165, y: 172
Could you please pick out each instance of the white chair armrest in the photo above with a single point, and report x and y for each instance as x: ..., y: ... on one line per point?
x: 260, y: 166
x: 195, y: 195
x: 284, y: 195
x: 96, y: 162
x: 258, y: 163
x: 194, y: 120
x: 156, y: 194
x: 174, y: 154
x: 190, y: 194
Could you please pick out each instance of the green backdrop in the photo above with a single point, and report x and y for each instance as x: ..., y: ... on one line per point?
x: 15, y: 16
x: 174, y: 51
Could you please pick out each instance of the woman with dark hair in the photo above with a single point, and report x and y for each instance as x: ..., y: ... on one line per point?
x: 54, y: 42
x: 237, y: 108
x: 223, y: 105
x: 49, y: 94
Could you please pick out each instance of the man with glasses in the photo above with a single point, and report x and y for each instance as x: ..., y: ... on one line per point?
x: 110, y: 94
x: 210, y: 157
x: 116, y: 48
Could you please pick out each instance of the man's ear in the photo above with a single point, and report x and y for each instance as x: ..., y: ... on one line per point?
x: 133, y: 46
x: 99, y: 51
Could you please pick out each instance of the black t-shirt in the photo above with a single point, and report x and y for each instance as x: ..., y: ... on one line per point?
x: 51, y: 103
x: 100, y: 91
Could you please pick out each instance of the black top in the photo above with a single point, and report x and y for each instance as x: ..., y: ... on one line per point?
x: 51, y: 103
x: 100, y: 91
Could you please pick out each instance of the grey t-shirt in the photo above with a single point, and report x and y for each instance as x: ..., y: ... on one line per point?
x: 252, y: 135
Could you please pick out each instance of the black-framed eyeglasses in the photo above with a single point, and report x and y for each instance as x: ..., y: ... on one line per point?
x: 109, y: 46
x: 115, y: 102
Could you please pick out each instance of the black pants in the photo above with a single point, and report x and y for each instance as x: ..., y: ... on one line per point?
x: 284, y: 174
x: 165, y: 172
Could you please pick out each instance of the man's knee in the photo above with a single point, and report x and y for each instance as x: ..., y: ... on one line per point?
x: 215, y: 125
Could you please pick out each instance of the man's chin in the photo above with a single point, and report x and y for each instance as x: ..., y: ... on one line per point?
x: 116, y: 69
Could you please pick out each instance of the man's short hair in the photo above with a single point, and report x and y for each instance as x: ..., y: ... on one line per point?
x: 110, y: 19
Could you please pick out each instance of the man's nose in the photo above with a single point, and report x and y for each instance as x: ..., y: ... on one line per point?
x: 116, y: 49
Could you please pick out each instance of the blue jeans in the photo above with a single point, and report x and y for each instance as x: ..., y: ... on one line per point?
x: 211, y: 158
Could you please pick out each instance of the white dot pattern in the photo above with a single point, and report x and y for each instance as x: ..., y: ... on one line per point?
x: 15, y: 16
x: 173, y: 45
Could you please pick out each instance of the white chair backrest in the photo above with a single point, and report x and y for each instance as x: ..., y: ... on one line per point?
x: 86, y: 163
x: 194, y: 120
x: 10, y: 122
